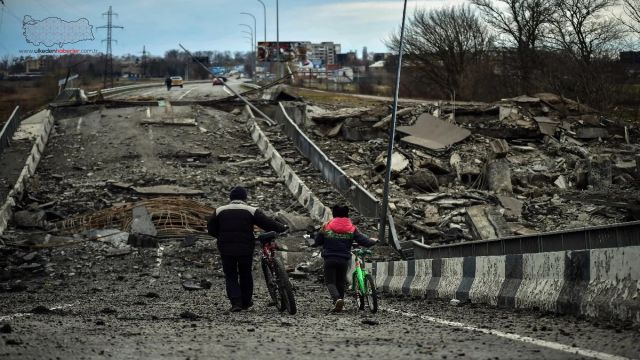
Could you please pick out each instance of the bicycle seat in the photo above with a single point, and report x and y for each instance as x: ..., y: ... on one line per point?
x: 267, y: 236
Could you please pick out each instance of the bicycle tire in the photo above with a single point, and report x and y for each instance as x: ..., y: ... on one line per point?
x: 372, y: 294
x: 288, y: 300
x: 272, y: 285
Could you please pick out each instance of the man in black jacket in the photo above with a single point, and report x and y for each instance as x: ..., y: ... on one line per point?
x: 336, y: 238
x: 232, y: 225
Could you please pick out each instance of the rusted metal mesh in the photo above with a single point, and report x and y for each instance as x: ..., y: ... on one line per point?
x: 170, y: 215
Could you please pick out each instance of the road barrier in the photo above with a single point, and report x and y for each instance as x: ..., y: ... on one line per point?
x: 616, y: 235
x: 599, y: 283
x: 318, y: 211
x: 29, y: 169
x: 9, y: 129
x: 358, y: 196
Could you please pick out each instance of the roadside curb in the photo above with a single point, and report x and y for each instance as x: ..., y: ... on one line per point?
x: 598, y: 283
x: 6, y: 211
x: 317, y: 210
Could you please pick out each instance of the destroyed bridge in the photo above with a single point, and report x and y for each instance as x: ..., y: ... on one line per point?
x: 513, y: 226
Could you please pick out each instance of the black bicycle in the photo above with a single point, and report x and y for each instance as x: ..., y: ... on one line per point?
x: 275, y: 275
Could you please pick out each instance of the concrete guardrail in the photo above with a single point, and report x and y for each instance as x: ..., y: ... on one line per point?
x: 599, y: 283
x: 317, y: 210
x: 29, y: 169
x: 604, y: 236
x: 9, y: 128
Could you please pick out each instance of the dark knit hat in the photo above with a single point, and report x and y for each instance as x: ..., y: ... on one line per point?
x: 340, y: 210
x: 238, y: 193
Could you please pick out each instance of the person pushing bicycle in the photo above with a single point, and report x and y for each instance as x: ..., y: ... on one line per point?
x: 232, y: 225
x: 336, y: 238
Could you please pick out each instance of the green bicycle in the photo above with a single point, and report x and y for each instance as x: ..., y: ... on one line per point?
x: 362, y: 283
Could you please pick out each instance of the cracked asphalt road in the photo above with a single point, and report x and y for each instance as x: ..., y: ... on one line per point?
x: 93, y: 306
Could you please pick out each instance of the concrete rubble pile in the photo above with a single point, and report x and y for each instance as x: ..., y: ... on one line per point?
x: 482, y: 171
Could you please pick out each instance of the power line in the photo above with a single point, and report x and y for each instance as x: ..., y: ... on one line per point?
x: 108, y: 61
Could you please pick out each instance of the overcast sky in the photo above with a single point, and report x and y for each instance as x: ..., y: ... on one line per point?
x: 213, y: 24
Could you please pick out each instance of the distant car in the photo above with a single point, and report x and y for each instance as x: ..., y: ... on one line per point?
x: 177, y: 81
x: 219, y: 81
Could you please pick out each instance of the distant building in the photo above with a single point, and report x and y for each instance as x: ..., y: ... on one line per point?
x: 325, y: 51
x: 36, y: 66
x: 346, y: 58
x: 380, y: 56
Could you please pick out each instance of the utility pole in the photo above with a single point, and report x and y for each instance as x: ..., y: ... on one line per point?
x: 278, y: 38
x: 392, y: 133
x: 108, y: 61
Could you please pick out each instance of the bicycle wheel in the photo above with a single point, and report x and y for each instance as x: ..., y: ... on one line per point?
x: 272, y: 285
x: 371, y: 296
x: 288, y: 300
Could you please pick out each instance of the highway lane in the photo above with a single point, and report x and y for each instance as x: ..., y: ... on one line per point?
x: 190, y: 92
x: 134, y: 305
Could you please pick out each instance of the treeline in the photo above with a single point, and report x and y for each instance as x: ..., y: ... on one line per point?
x: 91, y: 67
x: 498, y: 48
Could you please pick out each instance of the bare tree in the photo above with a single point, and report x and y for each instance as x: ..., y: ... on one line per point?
x: 583, y: 30
x: 442, y: 43
x: 520, y: 24
x: 632, y: 10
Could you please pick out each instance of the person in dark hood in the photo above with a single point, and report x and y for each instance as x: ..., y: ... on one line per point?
x: 336, y: 238
x: 167, y: 82
x: 232, y: 225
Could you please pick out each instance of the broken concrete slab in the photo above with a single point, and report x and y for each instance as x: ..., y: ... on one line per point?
x: 486, y: 222
x: 433, y: 133
x: 600, y: 175
x: 561, y: 182
x: 30, y: 219
x: 431, y: 215
x: 498, y: 175
x: 423, y: 180
x: 294, y: 221
x: 167, y: 190
x: 399, y: 162
x: 499, y: 147
x: 142, y: 222
x: 591, y: 133
x: 432, y: 163
x: 512, y: 206
x: 547, y: 126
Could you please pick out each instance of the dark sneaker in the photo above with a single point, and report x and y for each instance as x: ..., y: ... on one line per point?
x: 236, y: 308
x: 338, y: 305
x: 246, y: 307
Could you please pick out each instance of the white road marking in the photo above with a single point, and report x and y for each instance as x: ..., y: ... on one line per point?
x: 185, y: 94
x: 150, y: 132
x: 224, y: 87
x: 148, y: 112
x: 525, y: 339
x: 17, y: 315
x: 79, y: 124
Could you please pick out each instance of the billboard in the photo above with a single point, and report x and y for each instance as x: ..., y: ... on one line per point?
x: 289, y: 51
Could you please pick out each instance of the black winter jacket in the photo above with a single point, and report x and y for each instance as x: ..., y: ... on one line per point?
x: 337, y: 238
x: 232, y: 225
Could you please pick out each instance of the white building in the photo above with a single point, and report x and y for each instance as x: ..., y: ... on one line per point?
x: 324, y: 52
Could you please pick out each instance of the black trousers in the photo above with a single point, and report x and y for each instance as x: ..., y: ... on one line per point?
x: 239, y: 279
x: 335, y: 276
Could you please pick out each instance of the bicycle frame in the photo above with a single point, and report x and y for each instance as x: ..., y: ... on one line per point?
x: 360, y: 273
